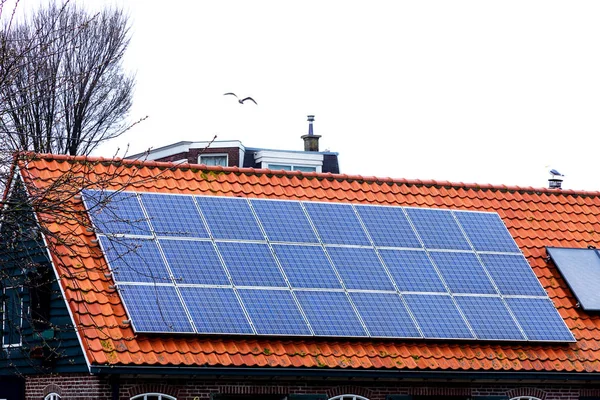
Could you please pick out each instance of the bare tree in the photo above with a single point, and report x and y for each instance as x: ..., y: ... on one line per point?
x: 62, y: 84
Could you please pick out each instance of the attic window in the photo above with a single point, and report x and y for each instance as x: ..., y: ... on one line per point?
x: 219, y: 160
x: 581, y: 270
x: 292, y: 167
x: 12, y: 316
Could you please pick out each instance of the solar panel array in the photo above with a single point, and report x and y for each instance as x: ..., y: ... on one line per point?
x: 223, y: 265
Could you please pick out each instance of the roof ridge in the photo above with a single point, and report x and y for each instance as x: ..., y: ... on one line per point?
x: 318, y: 175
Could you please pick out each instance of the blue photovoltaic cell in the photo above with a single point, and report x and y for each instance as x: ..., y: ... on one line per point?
x: 437, y: 316
x: 360, y: 268
x: 174, y: 215
x: 489, y: 318
x: 215, y: 310
x: 487, y: 232
x: 412, y: 271
x: 155, y: 308
x: 229, y: 218
x: 388, y: 226
x: 284, y: 221
x: 336, y: 223
x: 540, y: 320
x: 438, y: 229
x: 306, y: 267
x: 251, y: 264
x: 274, y: 312
x: 385, y: 315
x: 463, y: 272
x: 512, y: 274
x: 330, y: 313
x: 135, y: 260
x: 116, y: 212
x: 194, y: 262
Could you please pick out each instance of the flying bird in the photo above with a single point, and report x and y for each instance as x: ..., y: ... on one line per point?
x: 555, y: 173
x: 241, y: 101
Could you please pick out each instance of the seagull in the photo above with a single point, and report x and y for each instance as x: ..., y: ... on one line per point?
x: 555, y: 173
x: 241, y: 101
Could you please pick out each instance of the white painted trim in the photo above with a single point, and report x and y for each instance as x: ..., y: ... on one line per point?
x: 184, y: 147
x: 62, y: 291
x: 13, y: 345
x: 294, y: 159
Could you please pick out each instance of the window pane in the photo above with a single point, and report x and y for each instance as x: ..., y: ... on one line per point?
x: 280, y: 166
x: 213, y: 160
x: 304, y: 169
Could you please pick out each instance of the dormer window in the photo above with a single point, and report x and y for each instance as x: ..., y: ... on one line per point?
x: 287, y: 167
x: 219, y: 160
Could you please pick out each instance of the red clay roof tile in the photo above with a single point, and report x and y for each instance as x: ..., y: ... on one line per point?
x: 535, y: 217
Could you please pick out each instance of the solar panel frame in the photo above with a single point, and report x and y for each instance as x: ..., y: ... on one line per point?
x: 194, y: 262
x: 251, y: 264
x: 337, y: 223
x: 174, y: 215
x: 116, y: 213
x: 398, y: 231
x: 135, y: 258
x: 229, y: 218
x: 385, y: 315
x: 351, y: 262
x: 332, y: 264
x: 480, y: 225
x: 294, y: 225
x: 274, y: 312
x: 438, y: 229
x: 166, y: 307
x: 490, y: 318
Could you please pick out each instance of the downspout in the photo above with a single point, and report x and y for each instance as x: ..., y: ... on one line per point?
x: 115, y: 386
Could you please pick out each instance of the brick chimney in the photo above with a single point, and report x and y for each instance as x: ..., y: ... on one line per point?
x: 311, y: 141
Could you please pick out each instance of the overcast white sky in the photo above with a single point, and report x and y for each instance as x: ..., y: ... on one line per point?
x: 468, y: 91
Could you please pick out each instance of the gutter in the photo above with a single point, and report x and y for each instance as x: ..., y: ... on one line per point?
x: 365, y: 374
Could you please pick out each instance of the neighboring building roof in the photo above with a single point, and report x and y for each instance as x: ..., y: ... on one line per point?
x: 536, y: 218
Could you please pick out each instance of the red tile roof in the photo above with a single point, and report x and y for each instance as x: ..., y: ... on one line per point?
x: 535, y: 217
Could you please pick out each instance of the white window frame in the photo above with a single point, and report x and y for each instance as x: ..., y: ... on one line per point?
x: 348, y: 397
x: 214, y: 155
x: 161, y: 396
x: 303, y: 168
x: 4, y: 318
x: 52, y: 396
x: 525, y: 398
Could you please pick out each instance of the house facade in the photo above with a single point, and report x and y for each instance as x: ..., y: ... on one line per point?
x: 81, y: 343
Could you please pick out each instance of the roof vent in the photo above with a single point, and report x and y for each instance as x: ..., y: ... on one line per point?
x: 311, y: 141
x: 556, y: 180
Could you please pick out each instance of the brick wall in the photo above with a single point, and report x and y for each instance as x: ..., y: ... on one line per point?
x: 80, y: 387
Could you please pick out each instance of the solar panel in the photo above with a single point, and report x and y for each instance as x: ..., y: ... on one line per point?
x: 289, y: 268
x: 487, y: 232
x: 194, y: 262
x: 330, y: 313
x: 229, y: 218
x: 307, y: 267
x: 412, y: 271
x: 274, y: 312
x: 463, y: 272
x: 251, y: 264
x: 539, y: 319
x: 360, y: 268
x: 512, y: 274
x: 337, y: 223
x: 284, y: 221
x: 385, y: 315
x: 135, y: 260
x: 215, y: 310
x: 489, y: 318
x: 116, y: 213
x: 174, y: 215
x: 438, y: 317
x: 155, y: 308
x: 581, y: 270
x: 388, y: 226
x: 438, y: 229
